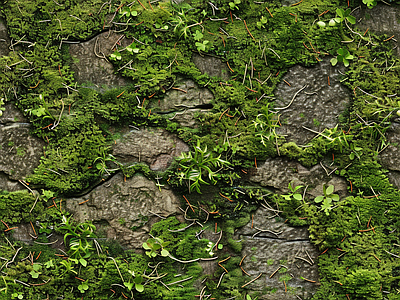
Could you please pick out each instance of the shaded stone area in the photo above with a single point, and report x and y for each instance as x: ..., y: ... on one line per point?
x: 20, y: 152
x: 183, y: 101
x: 382, y: 19
x: 125, y: 209
x: 4, y: 38
x: 212, y: 66
x: 90, y: 65
x: 281, y: 247
x: 277, y: 173
x: 155, y: 147
x: 316, y: 107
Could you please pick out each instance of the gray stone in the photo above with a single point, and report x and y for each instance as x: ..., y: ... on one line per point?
x: 212, y: 66
x: 316, y: 107
x: 278, y: 172
x: 183, y: 106
x: 4, y: 38
x: 382, y: 19
x: 266, y: 252
x: 125, y: 205
x: 90, y: 64
x: 390, y: 156
x: 155, y: 147
x: 20, y: 152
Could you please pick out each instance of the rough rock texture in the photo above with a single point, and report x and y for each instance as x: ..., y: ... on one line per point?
x: 125, y: 205
x: 390, y: 157
x: 266, y: 252
x: 4, y: 38
x: 211, y: 66
x: 90, y: 64
x: 382, y: 19
x: 278, y: 172
x: 19, y: 151
x: 183, y: 106
x: 155, y: 147
x: 316, y: 107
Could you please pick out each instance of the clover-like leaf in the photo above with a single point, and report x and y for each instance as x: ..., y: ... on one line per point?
x: 334, y: 61
x: 198, y: 35
x: 139, y: 287
x: 319, y: 199
x: 129, y: 285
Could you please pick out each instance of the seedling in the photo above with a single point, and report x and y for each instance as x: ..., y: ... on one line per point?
x: 116, y: 55
x: 343, y: 56
x: 293, y: 194
x: 198, y: 35
x: 36, y: 271
x: 262, y: 22
x: 266, y: 124
x: 234, y: 5
x: 83, y: 287
x: 132, y: 48
x: 341, y: 16
x: 127, y: 11
x: 202, y: 46
x: 327, y: 199
x: 155, y: 246
x: 355, y: 152
x: 17, y: 296
x: 370, y: 3
x: 137, y: 281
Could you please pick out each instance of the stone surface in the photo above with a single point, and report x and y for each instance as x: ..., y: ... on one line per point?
x: 316, y: 107
x: 155, y: 147
x: 125, y: 205
x: 277, y: 173
x: 266, y: 252
x: 4, y: 38
x: 19, y: 151
x: 390, y: 156
x: 382, y: 19
x: 90, y: 64
x: 184, y: 105
x: 211, y: 66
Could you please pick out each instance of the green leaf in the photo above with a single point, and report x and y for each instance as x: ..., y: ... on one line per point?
x: 335, y: 197
x: 34, y: 274
x: 139, y: 287
x: 346, y: 62
x: 321, y: 24
x: 220, y: 246
x: 198, y: 35
x: 334, y: 61
x: 319, y: 199
x: 340, y: 12
x: 83, y: 262
x: 146, y: 246
x: 36, y: 267
x: 298, y: 196
x: 351, y: 19
x: 164, y: 252
x: 138, y: 279
x: 330, y: 189
x: 129, y: 285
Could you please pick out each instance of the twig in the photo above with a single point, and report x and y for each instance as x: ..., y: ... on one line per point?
x: 298, y: 257
x: 252, y: 280
x: 12, y: 260
x: 182, y: 229
x: 294, y: 96
x: 34, y: 204
x: 186, y: 279
x: 190, y: 261
x: 275, y: 272
x: 220, y: 279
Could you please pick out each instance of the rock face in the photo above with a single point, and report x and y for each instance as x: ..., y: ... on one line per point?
x: 390, y: 157
x: 184, y: 100
x: 211, y: 66
x: 278, y: 247
x: 316, y: 107
x: 4, y: 39
x: 277, y: 173
x: 19, y: 151
x: 124, y: 206
x: 155, y: 147
x: 91, y: 65
x: 382, y: 19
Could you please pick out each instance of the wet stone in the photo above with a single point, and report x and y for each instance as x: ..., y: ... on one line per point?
x: 182, y: 102
x: 155, y: 147
x: 390, y: 156
x: 212, y: 66
x: 4, y: 38
x: 90, y: 65
x: 382, y: 19
x: 20, y: 152
x: 316, y: 107
x: 279, y: 247
x: 128, y: 207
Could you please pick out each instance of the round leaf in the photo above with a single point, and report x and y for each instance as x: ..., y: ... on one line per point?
x: 330, y: 189
x: 298, y: 196
x: 321, y: 24
x: 319, y: 199
x: 139, y: 287
x: 334, y: 61
x: 332, y: 23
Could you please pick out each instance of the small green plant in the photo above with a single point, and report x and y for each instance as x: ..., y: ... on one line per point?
x: 66, y: 266
x: 198, y: 166
x: 101, y: 163
x: 327, y: 199
x: 36, y: 271
x: 266, y: 124
x: 370, y: 3
x: 248, y: 297
x: 355, y: 152
x: 343, y: 56
x: 155, y: 246
x: 198, y: 35
x: 234, y: 5
x: 1, y: 112
x: 128, y: 12
x: 263, y: 21
x: 137, y: 281
x: 132, y: 48
x: 293, y: 194
x: 17, y: 296
x: 83, y: 287
x: 116, y: 55
x: 341, y: 15
x: 202, y: 46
